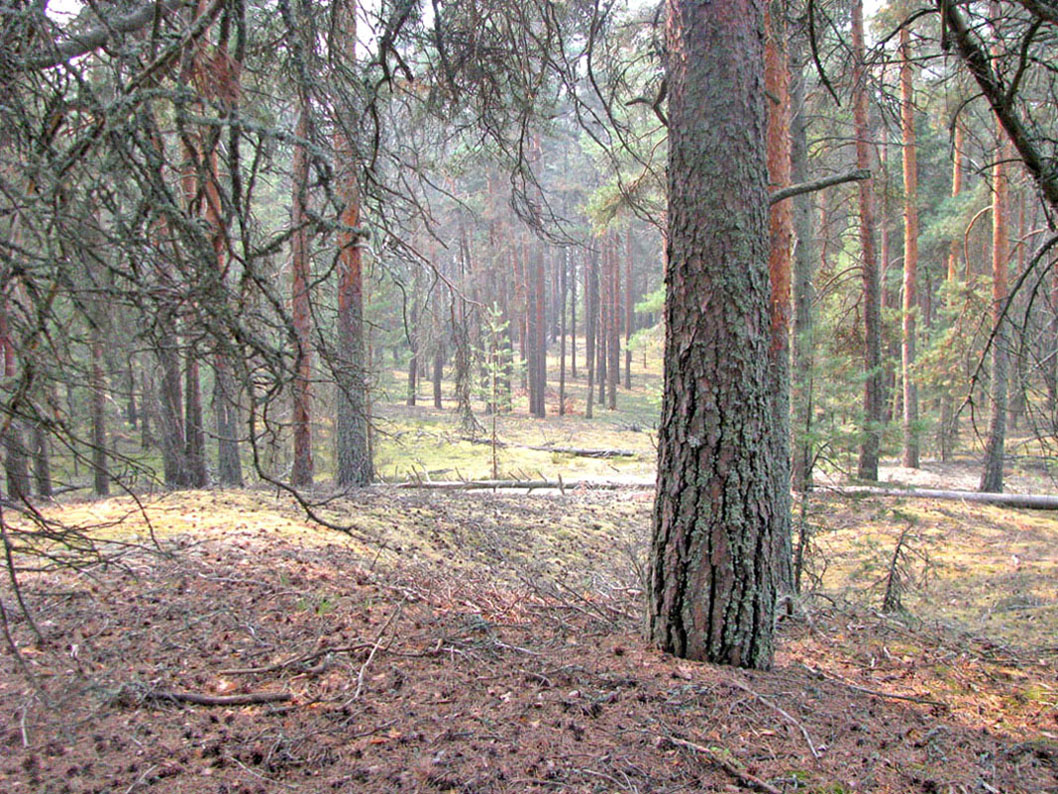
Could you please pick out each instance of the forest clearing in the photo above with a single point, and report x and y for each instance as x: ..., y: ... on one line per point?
x: 529, y: 395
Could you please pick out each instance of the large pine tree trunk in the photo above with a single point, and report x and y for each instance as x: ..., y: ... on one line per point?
x: 712, y: 582
x: 780, y: 233
x: 873, y: 395
x: 907, y: 346
x: 353, y: 458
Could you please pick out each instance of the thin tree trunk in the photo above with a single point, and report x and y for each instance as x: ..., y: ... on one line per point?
x: 590, y: 324
x: 572, y: 318
x: 949, y: 429
x: 614, y: 342
x: 602, y: 321
x: 16, y: 467
x: 563, y: 259
x: 992, y: 475
x: 195, y: 433
x: 630, y: 306
x: 42, y: 461
x: 101, y: 477
x: 174, y: 456
x: 907, y: 347
x: 302, y: 473
x: 873, y: 398
x: 803, y: 293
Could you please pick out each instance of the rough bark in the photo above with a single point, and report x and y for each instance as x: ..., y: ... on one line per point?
x: 630, y: 306
x: 780, y: 234
x: 100, y: 475
x: 992, y: 474
x: 573, y: 318
x: 562, y: 293
x: 907, y: 346
x: 16, y: 468
x: 712, y: 581
x: 591, y: 288
x: 613, y: 346
x: 171, y: 408
x: 301, y: 312
x: 194, y: 430
x: 949, y: 429
x: 803, y: 335
x: 873, y: 395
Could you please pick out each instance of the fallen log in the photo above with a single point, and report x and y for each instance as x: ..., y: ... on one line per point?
x: 1028, y: 501
x: 585, y: 452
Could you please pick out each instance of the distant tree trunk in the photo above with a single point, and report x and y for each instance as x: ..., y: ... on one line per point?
x: 174, y: 455
x: 16, y: 466
x: 873, y: 398
x: 602, y: 321
x: 890, y: 298
x: 521, y: 307
x: 195, y: 432
x: 226, y: 411
x: 803, y: 293
x: 780, y: 231
x: 413, y: 362
x: 461, y: 333
x: 907, y: 347
x: 148, y: 411
x: 711, y: 587
x: 614, y: 342
x: 131, y: 411
x: 101, y: 477
x: 949, y: 429
x: 591, y: 288
x: 302, y: 473
x: 630, y: 306
x: 41, y: 461
x: 572, y: 318
x: 563, y: 259
x: 1019, y: 399
x: 438, y: 372
x: 992, y: 475
x: 537, y: 341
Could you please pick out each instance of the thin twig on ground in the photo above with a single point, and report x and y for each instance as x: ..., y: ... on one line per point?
x: 744, y: 777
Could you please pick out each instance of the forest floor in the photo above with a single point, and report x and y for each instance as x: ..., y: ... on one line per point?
x: 482, y: 642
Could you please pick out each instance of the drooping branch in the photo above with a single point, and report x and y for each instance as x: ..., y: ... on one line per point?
x: 96, y: 37
x: 1043, y: 169
x: 1046, y: 10
x: 818, y: 184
